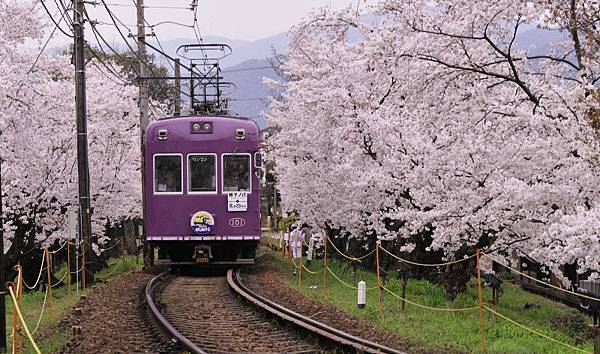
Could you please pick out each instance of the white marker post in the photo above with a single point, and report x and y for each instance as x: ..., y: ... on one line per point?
x: 361, y: 294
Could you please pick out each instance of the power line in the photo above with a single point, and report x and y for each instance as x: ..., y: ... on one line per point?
x: 147, y: 6
x: 42, y: 50
x: 55, y: 22
x: 153, y: 33
x: 196, y: 27
x: 98, y: 34
x: 248, y: 99
x: 246, y: 69
x: 48, y: 40
x: 111, y: 69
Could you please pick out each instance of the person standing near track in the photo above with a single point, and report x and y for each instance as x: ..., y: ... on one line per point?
x: 307, y: 235
x: 296, y: 239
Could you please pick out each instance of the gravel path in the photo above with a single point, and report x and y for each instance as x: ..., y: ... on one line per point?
x: 265, y: 279
x: 112, y: 319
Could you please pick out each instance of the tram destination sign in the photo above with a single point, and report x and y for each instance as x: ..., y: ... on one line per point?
x: 237, y: 201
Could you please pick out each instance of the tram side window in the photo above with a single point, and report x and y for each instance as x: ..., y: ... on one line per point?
x: 236, y: 173
x: 202, y: 171
x: 167, y: 174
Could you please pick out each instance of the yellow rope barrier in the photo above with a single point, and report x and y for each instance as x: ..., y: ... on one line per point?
x: 346, y: 284
x: 428, y: 307
x: 58, y: 250
x: 41, y: 313
x: 536, y: 332
x: 16, y: 304
x: 340, y: 280
x: 39, y: 275
x: 61, y: 279
x: 310, y: 271
x: 366, y: 255
x: 295, y: 265
x: 539, y: 281
x: 342, y: 253
x: 427, y: 264
x: 113, y: 246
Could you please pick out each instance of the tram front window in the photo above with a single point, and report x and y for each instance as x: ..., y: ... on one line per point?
x: 236, y: 173
x: 202, y: 173
x: 167, y: 174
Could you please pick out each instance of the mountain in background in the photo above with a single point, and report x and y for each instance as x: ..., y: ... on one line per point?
x: 241, y: 50
x: 248, y: 64
x: 250, y: 98
x: 245, y: 67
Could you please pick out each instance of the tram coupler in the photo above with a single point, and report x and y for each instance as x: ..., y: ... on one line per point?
x: 202, y: 254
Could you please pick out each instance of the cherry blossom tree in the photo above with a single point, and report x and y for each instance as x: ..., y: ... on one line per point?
x: 434, y: 130
x: 38, y: 141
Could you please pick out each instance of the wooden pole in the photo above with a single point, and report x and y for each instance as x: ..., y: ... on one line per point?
x: 300, y: 272
x: 69, y: 267
x: 17, y: 340
x: 378, y: 278
x: 404, y: 281
x: 597, y: 340
x: 290, y: 253
x: 325, y: 268
x: 49, y: 278
x: 480, y: 291
x: 83, y: 170
x: 83, y: 275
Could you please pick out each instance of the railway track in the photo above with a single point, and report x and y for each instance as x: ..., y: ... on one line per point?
x: 205, y: 314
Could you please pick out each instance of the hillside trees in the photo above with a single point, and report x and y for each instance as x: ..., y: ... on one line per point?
x: 435, y: 131
x: 38, y: 140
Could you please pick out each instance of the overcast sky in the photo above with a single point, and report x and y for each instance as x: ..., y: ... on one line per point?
x: 235, y: 19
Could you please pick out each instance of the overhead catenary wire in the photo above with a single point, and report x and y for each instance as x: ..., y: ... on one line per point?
x: 97, y: 34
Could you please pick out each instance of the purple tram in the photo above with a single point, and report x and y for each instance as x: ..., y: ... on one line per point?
x: 202, y: 189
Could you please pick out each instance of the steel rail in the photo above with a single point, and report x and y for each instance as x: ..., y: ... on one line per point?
x: 173, y: 333
x: 322, y: 330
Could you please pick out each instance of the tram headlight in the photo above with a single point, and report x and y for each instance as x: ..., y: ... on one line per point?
x: 163, y: 134
x: 240, y: 134
x: 202, y: 128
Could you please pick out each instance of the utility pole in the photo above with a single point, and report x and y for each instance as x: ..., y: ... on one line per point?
x: 82, y: 140
x: 177, y: 88
x: 143, y: 102
x: 2, y: 277
x: 192, y: 84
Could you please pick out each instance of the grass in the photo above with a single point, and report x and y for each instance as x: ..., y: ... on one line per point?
x: 458, y: 331
x: 48, y: 336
